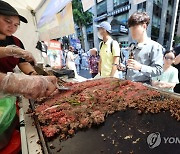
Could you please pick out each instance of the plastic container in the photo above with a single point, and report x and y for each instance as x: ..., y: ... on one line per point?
x: 14, y: 145
x: 8, y: 119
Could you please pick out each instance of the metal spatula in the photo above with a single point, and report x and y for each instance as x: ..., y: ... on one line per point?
x: 62, y: 88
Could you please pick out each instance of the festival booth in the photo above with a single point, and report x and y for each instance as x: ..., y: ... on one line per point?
x: 104, y: 115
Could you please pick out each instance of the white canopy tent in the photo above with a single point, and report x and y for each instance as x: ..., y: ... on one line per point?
x: 33, y: 10
x: 28, y: 33
x: 26, y: 4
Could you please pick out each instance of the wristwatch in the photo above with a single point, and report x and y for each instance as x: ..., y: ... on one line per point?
x: 32, y: 73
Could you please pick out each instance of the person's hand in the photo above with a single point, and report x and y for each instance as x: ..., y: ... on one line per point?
x: 32, y: 87
x: 121, y: 67
x: 28, y: 57
x: 161, y: 84
x: 17, y: 52
x: 177, y: 60
x: 41, y: 87
x: 52, y: 85
x: 133, y: 64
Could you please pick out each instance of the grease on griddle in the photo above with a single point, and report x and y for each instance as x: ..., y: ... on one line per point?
x: 94, y: 108
x: 51, y: 146
x: 59, y: 150
x: 137, y: 140
x: 38, y: 142
x: 128, y: 137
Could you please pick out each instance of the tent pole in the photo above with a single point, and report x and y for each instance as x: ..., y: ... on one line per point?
x: 40, y: 5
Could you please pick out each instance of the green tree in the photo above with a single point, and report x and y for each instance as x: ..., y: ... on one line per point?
x: 177, y: 40
x: 81, y: 18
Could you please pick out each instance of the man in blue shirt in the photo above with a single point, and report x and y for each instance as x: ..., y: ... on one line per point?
x: 147, y: 58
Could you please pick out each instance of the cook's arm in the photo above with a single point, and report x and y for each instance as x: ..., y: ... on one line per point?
x: 2, y: 75
x: 17, y: 53
x: 28, y: 86
x: 27, y: 68
x: 5, y: 52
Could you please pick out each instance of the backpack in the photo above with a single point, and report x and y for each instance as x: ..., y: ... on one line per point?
x: 121, y: 57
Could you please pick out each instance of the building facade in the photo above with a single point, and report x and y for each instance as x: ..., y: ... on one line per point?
x: 163, y: 14
x: 177, y: 27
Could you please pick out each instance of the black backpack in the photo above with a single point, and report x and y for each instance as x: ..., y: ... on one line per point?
x: 121, y: 58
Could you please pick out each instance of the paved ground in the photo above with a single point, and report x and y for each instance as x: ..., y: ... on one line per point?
x: 85, y: 74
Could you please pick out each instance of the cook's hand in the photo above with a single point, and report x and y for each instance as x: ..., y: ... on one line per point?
x: 52, y: 87
x: 29, y: 57
x: 17, y: 52
x: 42, y: 87
x: 29, y: 86
x: 133, y: 64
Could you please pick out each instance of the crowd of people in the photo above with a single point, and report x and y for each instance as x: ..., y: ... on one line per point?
x: 147, y: 61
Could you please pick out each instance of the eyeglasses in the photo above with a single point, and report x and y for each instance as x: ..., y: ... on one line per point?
x: 169, y: 58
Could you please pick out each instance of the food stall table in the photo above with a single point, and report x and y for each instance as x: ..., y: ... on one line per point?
x: 123, y: 132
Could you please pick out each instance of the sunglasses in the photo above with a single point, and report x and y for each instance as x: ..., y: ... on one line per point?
x: 169, y: 58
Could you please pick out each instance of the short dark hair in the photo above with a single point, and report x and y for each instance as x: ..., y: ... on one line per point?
x: 138, y: 18
x: 169, y: 51
x: 76, y: 51
x: 71, y: 48
x: 177, y: 50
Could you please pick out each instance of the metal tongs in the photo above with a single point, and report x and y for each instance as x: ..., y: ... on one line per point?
x: 62, y: 88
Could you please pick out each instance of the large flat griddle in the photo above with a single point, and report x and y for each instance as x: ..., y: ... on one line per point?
x: 123, y: 132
